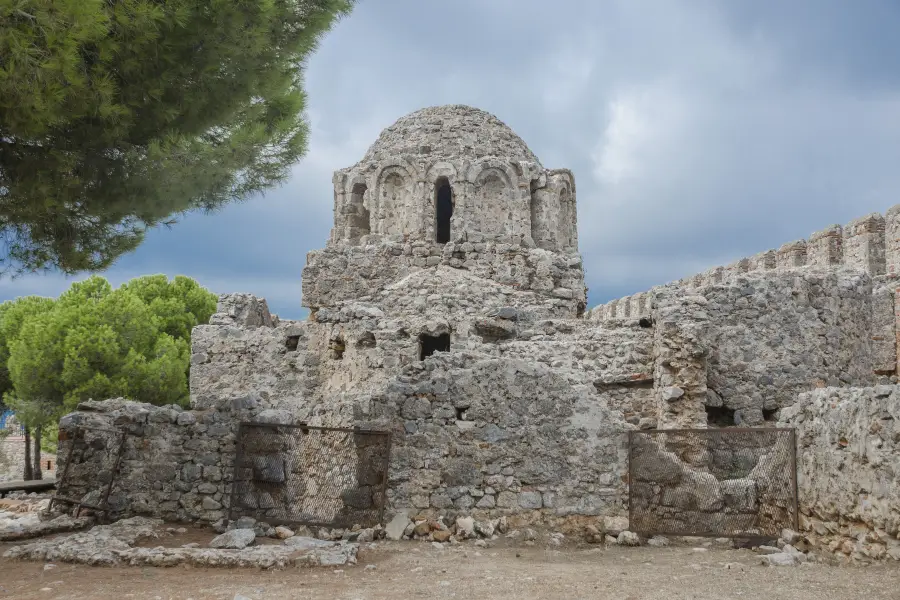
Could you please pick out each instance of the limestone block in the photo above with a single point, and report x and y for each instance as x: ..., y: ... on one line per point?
x: 792, y: 255
x: 825, y: 247
x: 892, y: 240
x: 864, y: 244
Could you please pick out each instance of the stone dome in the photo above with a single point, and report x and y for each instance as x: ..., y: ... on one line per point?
x: 449, y: 133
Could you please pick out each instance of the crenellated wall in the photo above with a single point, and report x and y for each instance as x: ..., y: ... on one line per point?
x: 870, y: 244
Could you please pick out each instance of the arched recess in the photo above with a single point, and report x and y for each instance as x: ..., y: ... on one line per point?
x: 359, y: 222
x: 443, y: 210
x: 493, y: 214
x: 566, y: 223
x: 564, y: 226
x: 392, y: 202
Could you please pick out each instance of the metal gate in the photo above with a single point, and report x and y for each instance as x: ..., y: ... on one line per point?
x: 93, y: 456
x: 731, y: 482
x: 325, y: 476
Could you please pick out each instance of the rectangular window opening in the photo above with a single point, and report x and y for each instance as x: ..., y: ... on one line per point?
x: 429, y: 344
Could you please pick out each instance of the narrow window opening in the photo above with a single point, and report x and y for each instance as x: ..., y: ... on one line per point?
x: 645, y: 322
x: 443, y: 210
x: 460, y: 414
x: 580, y: 309
x: 535, y: 215
x: 292, y: 342
x: 719, y: 416
x: 429, y: 344
x: 769, y: 414
x: 337, y: 348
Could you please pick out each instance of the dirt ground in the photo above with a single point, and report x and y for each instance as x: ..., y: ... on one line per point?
x: 405, y: 570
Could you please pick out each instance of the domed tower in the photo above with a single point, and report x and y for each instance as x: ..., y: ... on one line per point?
x: 449, y: 186
x: 443, y: 173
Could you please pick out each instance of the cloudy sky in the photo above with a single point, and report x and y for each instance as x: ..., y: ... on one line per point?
x: 698, y: 131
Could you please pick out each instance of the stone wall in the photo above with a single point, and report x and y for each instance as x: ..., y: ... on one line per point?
x: 177, y: 464
x: 848, y: 460
x: 687, y: 483
x: 497, y: 436
x: 385, y: 273
x: 747, y: 347
x: 12, y: 458
x: 771, y: 337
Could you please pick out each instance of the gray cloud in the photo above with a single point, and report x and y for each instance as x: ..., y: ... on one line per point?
x: 698, y: 131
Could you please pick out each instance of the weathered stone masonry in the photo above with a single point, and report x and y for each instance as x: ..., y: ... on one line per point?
x: 448, y: 306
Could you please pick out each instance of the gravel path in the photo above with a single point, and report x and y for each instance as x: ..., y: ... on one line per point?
x: 405, y: 570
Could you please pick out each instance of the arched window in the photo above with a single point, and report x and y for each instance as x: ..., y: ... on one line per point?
x: 358, y: 218
x: 443, y: 210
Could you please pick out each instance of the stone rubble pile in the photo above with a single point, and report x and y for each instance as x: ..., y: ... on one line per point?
x: 24, y: 515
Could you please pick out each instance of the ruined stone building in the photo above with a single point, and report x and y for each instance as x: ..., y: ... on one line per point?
x: 448, y: 306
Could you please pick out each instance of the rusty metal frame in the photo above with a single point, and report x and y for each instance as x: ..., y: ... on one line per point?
x: 795, y: 504
x: 304, y: 428
x: 102, y: 506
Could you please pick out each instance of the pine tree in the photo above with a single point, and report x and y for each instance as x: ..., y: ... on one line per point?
x: 119, y: 115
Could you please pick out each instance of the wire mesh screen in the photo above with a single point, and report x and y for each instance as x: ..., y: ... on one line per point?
x: 325, y: 476
x: 713, y: 482
x: 92, y: 456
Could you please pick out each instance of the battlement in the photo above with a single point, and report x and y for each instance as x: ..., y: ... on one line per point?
x: 870, y: 244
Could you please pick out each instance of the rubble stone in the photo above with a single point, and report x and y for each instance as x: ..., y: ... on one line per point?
x: 234, y: 539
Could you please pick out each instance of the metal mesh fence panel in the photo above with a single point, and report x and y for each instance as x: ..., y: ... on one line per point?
x: 326, y: 476
x: 92, y: 456
x: 713, y: 482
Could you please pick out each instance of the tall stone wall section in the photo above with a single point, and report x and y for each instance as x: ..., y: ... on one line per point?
x: 848, y: 460
x: 771, y: 337
x: 497, y: 436
x: 339, y: 274
x: 680, y: 351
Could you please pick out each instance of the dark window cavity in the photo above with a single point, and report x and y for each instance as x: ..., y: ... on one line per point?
x: 429, y: 344
x: 443, y: 210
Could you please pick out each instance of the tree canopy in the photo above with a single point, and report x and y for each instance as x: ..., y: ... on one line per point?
x: 119, y: 115
x: 13, y: 315
x: 98, y: 342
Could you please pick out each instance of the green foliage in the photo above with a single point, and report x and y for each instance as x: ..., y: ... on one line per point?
x: 99, y: 342
x: 50, y: 438
x: 180, y: 304
x: 116, y: 115
x: 13, y: 315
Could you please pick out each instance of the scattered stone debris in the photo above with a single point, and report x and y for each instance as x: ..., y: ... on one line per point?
x: 113, y: 545
x: 785, y: 553
x: 628, y: 538
x: 236, y: 539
